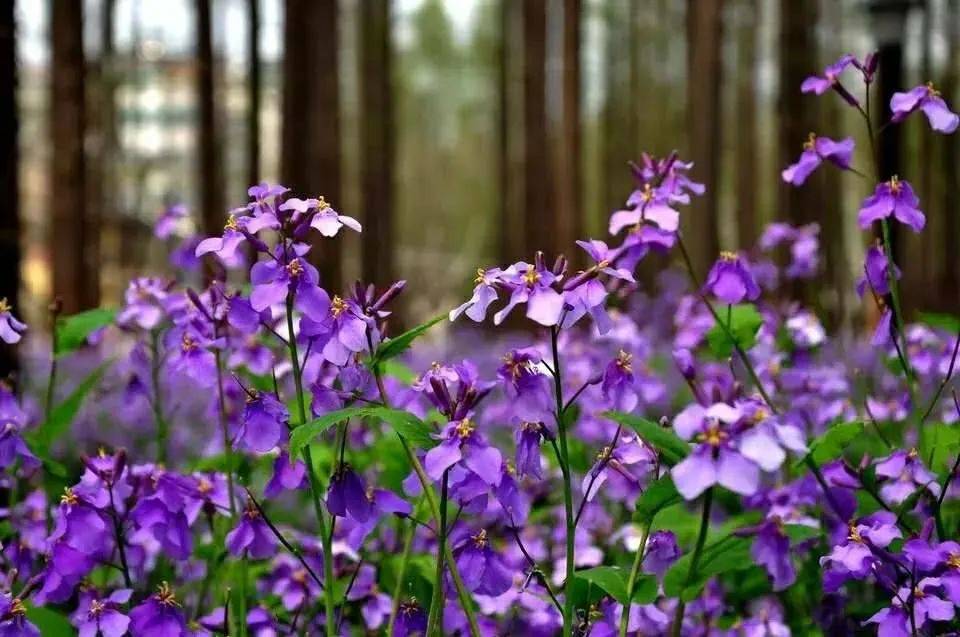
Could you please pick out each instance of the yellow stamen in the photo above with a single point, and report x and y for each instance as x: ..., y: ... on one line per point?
x: 810, y: 144
x: 231, y: 224
x: 165, y: 595
x: 726, y: 255
x: 337, y: 306
x: 464, y: 428
x: 69, y: 497
x: 4, y: 305
x: 480, y: 539
x: 713, y: 436
x: 295, y: 268
x: 625, y: 361
x: 531, y: 276
x: 895, y: 185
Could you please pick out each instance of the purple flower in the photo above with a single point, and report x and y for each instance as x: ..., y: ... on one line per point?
x: 661, y: 552
x: 527, y: 388
x: 715, y: 459
x: 159, y: 616
x: 225, y: 246
x: 533, y: 285
x: 731, y: 281
x: 411, y: 620
x: 340, y: 332
x: 348, y: 494
x: 815, y: 151
x: 529, y: 437
x: 646, y: 205
x: 145, y: 298
x: 168, y: 221
x: 927, y: 99
x: 876, y: 272
x: 461, y: 441
x: 325, y: 219
x: 101, y: 616
x: 483, y: 570
x: 13, y: 618
x: 484, y: 293
x: 252, y: 536
x: 263, y: 425
x: 820, y: 84
x: 905, y: 473
x: 273, y: 279
x: 771, y: 550
x: 926, y: 603
x: 894, y: 198
x: 618, y: 383
x: 623, y: 466
x: 854, y: 557
x: 10, y: 328
x: 287, y: 476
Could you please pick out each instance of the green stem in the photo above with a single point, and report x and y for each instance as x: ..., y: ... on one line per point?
x: 436, y: 604
x: 694, y: 560
x: 158, y: 420
x: 462, y: 593
x: 632, y: 581
x: 568, y: 612
x: 315, y: 487
x: 225, y: 432
x: 401, y: 574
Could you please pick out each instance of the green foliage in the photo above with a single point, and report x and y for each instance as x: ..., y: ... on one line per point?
x: 63, y: 414
x: 414, y: 430
x: 729, y: 554
x: 72, y: 331
x: 745, y: 322
x: 671, y: 448
x: 832, y: 443
x: 614, y: 581
x: 656, y: 497
x: 942, y: 443
x: 399, y: 344
x: 946, y: 322
x: 50, y: 622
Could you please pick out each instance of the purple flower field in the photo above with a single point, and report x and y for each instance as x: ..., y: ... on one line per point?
x: 580, y: 453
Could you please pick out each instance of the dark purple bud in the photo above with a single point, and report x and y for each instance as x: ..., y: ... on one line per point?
x: 258, y: 244
x: 870, y: 66
x: 392, y: 292
x: 683, y: 359
x: 581, y: 278
x: 441, y: 395
x: 595, y: 379
x: 119, y: 461
x: 538, y: 260
x: 667, y: 165
x: 845, y: 94
x: 560, y: 265
x: 302, y: 229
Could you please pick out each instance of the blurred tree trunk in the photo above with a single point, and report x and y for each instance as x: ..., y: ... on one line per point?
x: 74, y: 233
x: 310, y: 163
x: 704, y: 66
x: 619, y: 122
x: 949, y: 286
x: 212, y: 209
x: 10, y: 254
x: 538, y: 214
x: 798, y: 115
x: 748, y: 221
x: 377, y: 142
x: 568, y: 182
x: 253, y: 92
x: 511, y: 143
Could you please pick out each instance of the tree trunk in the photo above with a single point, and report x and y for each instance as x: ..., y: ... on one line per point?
x: 538, y: 215
x: 619, y: 126
x: 949, y: 287
x: 74, y: 233
x: 569, y: 202
x: 310, y: 164
x: 10, y: 254
x: 377, y: 142
x: 748, y: 222
x: 704, y: 39
x: 212, y: 209
x: 253, y: 92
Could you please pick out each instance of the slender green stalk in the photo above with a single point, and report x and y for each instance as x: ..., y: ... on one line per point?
x: 316, y: 489
x: 401, y: 575
x: 694, y: 560
x: 632, y: 580
x: 569, y: 519
x: 52, y: 378
x: 437, y: 602
x: 225, y: 432
x: 158, y: 420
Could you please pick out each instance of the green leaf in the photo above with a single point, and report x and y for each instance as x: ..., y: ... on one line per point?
x: 657, y: 496
x: 303, y: 434
x: 72, y: 331
x: 611, y: 579
x: 645, y: 589
x: 399, y: 344
x: 946, y: 322
x: 943, y: 440
x: 830, y: 445
x: 399, y: 371
x: 745, y: 322
x: 729, y: 554
x: 63, y: 414
x: 50, y: 622
x: 672, y: 449
x: 414, y: 430
x: 800, y: 532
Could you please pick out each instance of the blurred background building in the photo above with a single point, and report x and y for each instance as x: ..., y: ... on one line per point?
x: 460, y: 132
